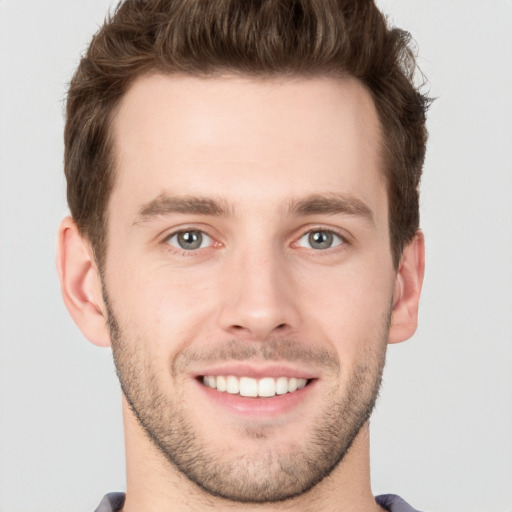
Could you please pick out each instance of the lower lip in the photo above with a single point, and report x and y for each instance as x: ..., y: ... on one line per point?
x: 249, y: 406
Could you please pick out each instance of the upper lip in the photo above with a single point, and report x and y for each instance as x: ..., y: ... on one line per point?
x: 256, y: 371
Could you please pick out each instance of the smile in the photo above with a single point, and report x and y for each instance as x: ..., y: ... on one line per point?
x: 250, y: 387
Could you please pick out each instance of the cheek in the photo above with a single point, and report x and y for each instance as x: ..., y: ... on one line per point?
x: 350, y: 309
x: 166, y: 309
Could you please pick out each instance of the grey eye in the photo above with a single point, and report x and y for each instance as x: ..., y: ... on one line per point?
x: 320, y: 240
x: 189, y: 240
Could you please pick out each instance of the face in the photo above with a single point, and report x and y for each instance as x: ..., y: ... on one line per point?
x: 248, y: 276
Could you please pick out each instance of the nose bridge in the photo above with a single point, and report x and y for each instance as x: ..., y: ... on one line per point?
x: 258, y: 297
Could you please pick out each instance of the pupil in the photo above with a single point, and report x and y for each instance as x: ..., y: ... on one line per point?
x: 190, y: 240
x: 320, y: 239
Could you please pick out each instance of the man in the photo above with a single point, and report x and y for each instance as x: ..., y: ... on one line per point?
x: 243, y: 185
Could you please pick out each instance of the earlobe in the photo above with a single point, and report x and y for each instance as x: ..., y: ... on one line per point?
x: 409, y: 279
x: 81, y: 284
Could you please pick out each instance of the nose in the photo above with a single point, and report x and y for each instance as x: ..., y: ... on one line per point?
x: 258, y: 297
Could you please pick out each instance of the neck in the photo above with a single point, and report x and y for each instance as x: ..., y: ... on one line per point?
x: 153, y: 484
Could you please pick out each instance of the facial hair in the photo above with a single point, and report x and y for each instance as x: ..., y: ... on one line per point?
x: 265, y: 476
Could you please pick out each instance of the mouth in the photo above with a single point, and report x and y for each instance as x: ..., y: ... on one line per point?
x: 249, y: 387
x: 257, y: 392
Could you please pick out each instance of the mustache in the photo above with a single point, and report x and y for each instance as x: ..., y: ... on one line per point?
x: 278, y: 350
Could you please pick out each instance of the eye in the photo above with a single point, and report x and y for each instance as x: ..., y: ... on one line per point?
x: 189, y: 240
x: 320, y: 239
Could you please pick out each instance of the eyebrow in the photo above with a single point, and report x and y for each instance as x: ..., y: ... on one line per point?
x: 165, y: 204
x: 332, y: 204
x: 315, y: 204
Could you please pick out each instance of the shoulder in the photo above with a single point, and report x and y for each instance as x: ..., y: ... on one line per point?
x: 393, y: 503
x: 112, y: 502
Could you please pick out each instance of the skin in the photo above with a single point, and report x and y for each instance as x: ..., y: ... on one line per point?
x: 272, y: 161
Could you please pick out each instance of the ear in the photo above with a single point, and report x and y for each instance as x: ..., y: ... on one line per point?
x: 81, y: 284
x: 408, y: 281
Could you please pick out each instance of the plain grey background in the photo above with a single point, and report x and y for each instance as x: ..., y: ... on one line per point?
x: 442, y: 431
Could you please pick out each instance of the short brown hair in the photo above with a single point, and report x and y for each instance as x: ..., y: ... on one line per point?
x: 254, y: 38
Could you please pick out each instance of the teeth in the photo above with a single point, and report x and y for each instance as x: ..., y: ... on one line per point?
x: 233, y: 386
x: 221, y: 383
x: 281, y: 386
x: 247, y: 386
x: 267, y: 387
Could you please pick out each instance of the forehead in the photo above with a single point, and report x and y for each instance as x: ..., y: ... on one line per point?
x: 246, y: 140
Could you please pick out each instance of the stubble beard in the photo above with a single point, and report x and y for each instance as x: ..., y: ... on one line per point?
x: 265, y: 476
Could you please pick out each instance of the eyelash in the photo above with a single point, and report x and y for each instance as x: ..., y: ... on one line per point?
x: 191, y: 252
x: 321, y: 229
